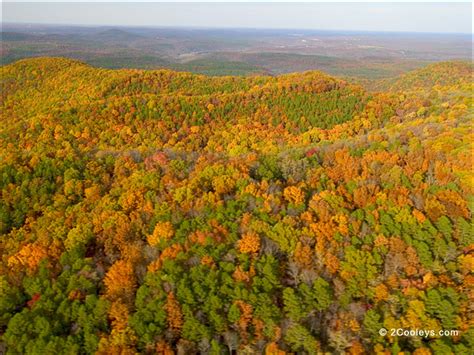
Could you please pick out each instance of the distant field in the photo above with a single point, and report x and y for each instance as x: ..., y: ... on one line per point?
x: 231, y: 63
x: 279, y: 63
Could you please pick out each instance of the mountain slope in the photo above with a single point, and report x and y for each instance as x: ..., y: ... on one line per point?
x: 437, y: 74
x: 157, y: 211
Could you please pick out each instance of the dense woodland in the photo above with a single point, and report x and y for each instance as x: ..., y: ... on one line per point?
x: 164, y: 212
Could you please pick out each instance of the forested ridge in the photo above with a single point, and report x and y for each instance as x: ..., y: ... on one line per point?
x: 166, y: 212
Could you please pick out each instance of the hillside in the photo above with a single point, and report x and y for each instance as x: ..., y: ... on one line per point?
x: 437, y: 74
x: 168, y: 212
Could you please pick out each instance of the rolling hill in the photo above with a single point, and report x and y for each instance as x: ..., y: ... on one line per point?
x: 154, y: 211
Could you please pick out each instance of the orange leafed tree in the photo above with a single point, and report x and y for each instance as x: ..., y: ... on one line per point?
x: 293, y: 194
x: 249, y: 244
x: 120, y: 281
x: 174, y: 316
x: 30, y: 256
x: 162, y: 231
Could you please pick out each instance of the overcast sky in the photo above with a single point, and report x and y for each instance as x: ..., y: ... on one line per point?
x: 411, y: 17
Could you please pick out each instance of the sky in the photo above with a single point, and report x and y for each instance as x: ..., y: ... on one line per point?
x: 435, y: 17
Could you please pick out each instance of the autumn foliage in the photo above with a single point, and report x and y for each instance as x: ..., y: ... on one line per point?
x: 165, y: 212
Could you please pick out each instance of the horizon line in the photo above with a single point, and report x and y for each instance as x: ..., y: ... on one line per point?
x: 233, y: 28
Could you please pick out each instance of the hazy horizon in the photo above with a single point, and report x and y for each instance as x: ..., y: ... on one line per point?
x: 203, y: 28
x: 437, y: 18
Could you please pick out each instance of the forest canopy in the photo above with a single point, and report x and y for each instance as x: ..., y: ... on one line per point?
x: 167, y: 212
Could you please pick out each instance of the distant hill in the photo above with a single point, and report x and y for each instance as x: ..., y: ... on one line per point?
x: 115, y: 35
x: 16, y: 36
x: 441, y: 74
